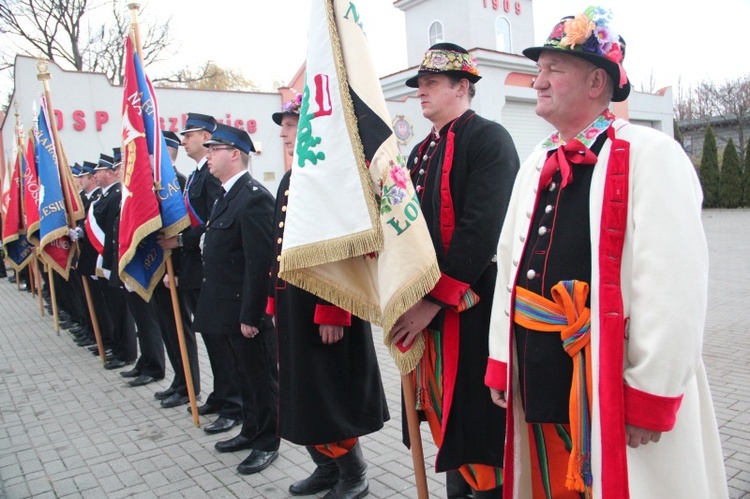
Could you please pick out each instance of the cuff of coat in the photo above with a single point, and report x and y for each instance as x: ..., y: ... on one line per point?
x: 496, y: 375
x: 332, y: 315
x: 652, y: 412
x: 271, y: 306
x: 449, y: 290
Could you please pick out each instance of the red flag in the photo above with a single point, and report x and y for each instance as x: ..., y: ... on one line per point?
x: 17, y: 248
x: 140, y: 214
x: 30, y: 191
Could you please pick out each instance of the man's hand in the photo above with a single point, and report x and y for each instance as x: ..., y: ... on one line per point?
x: 414, y: 321
x: 498, y: 398
x: 331, y: 334
x: 166, y: 242
x: 635, y: 436
x: 248, y: 331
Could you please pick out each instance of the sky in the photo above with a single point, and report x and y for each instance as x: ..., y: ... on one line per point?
x: 672, y: 42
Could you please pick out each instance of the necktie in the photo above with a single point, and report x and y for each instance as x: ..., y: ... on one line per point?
x: 572, y: 152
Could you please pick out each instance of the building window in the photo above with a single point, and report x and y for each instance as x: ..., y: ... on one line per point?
x: 436, y: 33
x: 502, y: 34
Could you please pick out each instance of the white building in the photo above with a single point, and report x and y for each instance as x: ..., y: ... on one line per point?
x: 494, y: 31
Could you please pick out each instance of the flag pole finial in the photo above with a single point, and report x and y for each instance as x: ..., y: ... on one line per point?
x: 42, y: 67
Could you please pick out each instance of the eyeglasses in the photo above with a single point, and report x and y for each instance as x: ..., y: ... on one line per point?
x: 212, y: 150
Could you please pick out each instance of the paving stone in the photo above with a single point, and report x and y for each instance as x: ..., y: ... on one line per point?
x: 76, y: 430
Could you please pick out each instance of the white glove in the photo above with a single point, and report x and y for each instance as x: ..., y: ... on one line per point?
x: 75, y: 234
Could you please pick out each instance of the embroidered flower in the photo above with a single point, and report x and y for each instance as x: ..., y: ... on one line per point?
x: 439, y: 60
x: 399, y: 176
x: 558, y: 31
x: 591, y: 133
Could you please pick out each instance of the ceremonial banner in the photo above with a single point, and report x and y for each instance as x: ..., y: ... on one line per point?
x: 18, y: 250
x: 151, y: 194
x: 354, y: 233
x: 30, y: 190
x: 54, y: 244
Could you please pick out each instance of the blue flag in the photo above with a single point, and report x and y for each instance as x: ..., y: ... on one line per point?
x: 53, y: 220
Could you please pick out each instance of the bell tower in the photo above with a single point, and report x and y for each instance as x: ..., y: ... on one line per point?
x: 501, y: 25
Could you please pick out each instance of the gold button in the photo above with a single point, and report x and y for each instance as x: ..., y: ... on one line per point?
x: 278, y: 258
x: 281, y: 224
x: 278, y: 240
x: 286, y: 192
x: 283, y: 208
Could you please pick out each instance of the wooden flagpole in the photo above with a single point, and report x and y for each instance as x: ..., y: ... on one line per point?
x: 37, y: 276
x: 53, y: 298
x: 170, y: 270
x: 94, y: 320
x: 415, y: 437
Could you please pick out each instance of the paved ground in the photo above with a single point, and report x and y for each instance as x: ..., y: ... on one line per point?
x: 68, y: 428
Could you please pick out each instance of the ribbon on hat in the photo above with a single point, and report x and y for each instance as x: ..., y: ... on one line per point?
x: 571, y: 152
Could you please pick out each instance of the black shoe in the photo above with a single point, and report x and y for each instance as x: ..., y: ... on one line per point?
x: 66, y: 324
x: 223, y: 424
x: 165, y: 394
x: 143, y: 379
x: 239, y: 442
x: 258, y: 460
x: 116, y: 364
x: 94, y: 349
x: 77, y: 329
x: 324, y: 477
x: 205, y: 409
x: 175, y: 400
x: 133, y: 373
x: 86, y: 342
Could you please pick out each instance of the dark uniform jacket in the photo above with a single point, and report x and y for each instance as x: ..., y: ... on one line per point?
x: 327, y: 393
x: 203, y: 191
x: 107, y: 214
x: 87, y: 259
x: 237, y: 253
x: 480, y: 180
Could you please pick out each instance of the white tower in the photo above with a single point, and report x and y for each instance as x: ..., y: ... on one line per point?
x: 501, y: 25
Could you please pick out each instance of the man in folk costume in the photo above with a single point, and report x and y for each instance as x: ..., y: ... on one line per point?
x: 601, y: 295
x: 237, y: 253
x: 463, y: 173
x: 201, y: 193
x: 330, y: 391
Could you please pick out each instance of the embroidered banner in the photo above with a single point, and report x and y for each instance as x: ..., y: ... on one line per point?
x: 354, y: 234
x: 18, y: 250
x: 54, y: 244
x: 151, y: 195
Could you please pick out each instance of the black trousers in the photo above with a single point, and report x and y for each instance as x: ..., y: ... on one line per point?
x: 254, y: 364
x: 226, y: 393
x: 163, y: 303
x: 151, y: 361
x: 123, y: 328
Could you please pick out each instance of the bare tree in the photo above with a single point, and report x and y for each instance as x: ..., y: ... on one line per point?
x: 210, y: 76
x: 70, y: 33
x: 732, y: 100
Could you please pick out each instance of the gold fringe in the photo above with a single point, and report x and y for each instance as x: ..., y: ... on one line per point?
x: 141, y: 232
x: 409, y: 295
x: 53, y: 236
x: 176, y: 227
x: 332, y: 250
x: 407, y: 361
x: 351, y: 122
x: 23, y: 265
x: 64, y: 272
x: 145, y: 293
x: 332, y: 292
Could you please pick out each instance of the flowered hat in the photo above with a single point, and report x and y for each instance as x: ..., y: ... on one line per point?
x: 290, y: 108
x: 590, y: 37
x: 447, y: 58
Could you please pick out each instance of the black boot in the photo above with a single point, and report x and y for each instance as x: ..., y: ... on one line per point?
x: 352, y: 483
x: 496, y: 493
x: 456, y: 487
x: 323, y: 478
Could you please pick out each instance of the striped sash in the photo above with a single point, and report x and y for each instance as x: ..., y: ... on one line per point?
x: 195, y: 220
x: 569, y: 316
